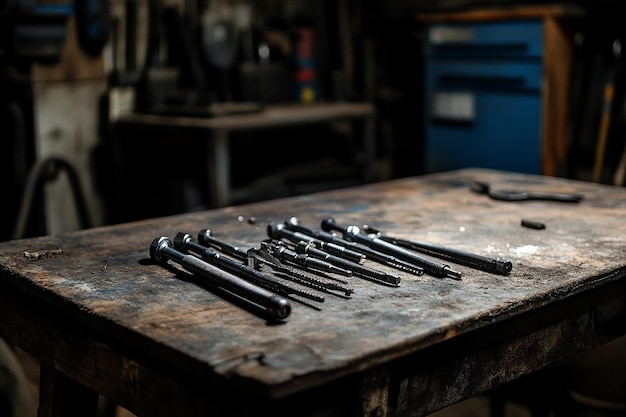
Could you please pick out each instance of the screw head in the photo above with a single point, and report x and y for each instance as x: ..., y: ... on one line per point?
x: 303, y: 247
x: 273, y: 229
x: 204, y: 235
x: 328, y: 224
x: 353, y: 230
x: 181, y: 239
x: 157, y: 246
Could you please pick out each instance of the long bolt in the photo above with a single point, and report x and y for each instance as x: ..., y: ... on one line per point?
x: 205, y: 237
x: 294, y: 258
x: 480, y: 262
x: 276, y: 306
x: 357, y: 270
x: 258, y: 259
x: 277, y: 230
x: 372, y: 254
x: 185, y: 243
x: 353, y: 233
x: 285, y: 254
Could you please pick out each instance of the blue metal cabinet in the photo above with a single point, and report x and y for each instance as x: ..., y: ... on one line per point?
x: 483, y: 96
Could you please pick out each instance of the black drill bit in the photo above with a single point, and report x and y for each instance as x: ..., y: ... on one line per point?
x: 261, y: 258
x: 353, y: 233
x: 357, y: 270
x: 371, y: 254
x: 480, y: 262
x: 277, y: 230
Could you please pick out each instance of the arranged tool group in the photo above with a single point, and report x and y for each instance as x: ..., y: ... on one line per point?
x: 301, y: 263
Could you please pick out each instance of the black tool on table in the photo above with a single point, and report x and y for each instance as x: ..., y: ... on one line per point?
x: 185, y: 243
x: 282, y: 252
x: 358, y: 270
x: 353, y: 233
x: 480, y: 262
x: 277, y: 307
x: 383, y: 258
x: 532, y: 224
x: 481, y: 187
x: 205, y: 237
x: 263, y: 258
x: 277, y: 230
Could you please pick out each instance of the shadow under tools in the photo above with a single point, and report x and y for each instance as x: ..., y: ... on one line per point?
x: 377, y: 281
x: 226, y: 295
x: 300, y: 301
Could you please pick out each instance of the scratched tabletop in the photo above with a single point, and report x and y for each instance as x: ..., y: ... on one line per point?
x: 105, y: 279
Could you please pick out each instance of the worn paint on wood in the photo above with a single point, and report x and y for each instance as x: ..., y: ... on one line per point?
x: 104, y: 279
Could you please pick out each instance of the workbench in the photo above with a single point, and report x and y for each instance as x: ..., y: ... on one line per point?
x: 103, y: 318
x: 219, y: 129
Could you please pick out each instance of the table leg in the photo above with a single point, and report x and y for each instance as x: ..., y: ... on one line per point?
x: 375, y: 393
x: 60, y: 396
x: 218, y: 169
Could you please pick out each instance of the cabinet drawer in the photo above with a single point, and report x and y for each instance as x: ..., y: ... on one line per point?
x: 517, y: 39
x: 451, y: 74
x: 500, y: 131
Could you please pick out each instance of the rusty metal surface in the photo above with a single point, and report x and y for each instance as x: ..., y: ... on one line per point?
x: 103, y: 278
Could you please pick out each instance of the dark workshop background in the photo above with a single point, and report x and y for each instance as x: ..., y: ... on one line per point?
x: 67, y: 69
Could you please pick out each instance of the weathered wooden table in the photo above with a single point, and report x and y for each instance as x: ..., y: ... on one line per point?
x: 104, y: 319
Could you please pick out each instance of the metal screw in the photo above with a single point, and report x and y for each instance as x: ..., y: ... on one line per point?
x: 276, y: 306
x: 354, y: 234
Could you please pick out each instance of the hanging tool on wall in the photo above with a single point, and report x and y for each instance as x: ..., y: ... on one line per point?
x: 47, y: 170
x: 619, y: 133
x: 220, y: 39
x: 620, y: 173
x: 607, y: 109
x: 93, y: 25
x: 183, y: 52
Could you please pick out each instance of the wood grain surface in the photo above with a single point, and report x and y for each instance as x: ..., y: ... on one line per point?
x: 103, y: 278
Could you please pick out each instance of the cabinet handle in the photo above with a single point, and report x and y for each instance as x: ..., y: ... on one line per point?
x: 481, y: 81
x: 467, y: 48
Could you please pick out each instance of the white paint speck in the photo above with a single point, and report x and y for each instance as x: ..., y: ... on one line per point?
x: 527, y: 250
